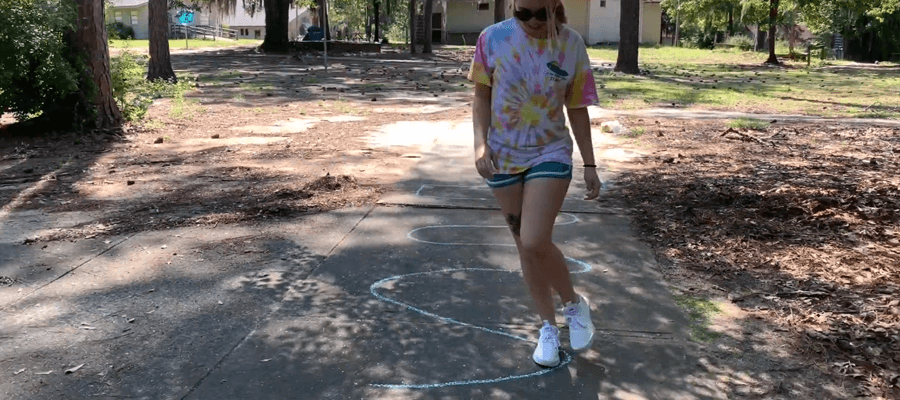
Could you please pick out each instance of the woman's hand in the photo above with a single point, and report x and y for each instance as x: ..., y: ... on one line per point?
x: 593, y: 183
x: 484, y: 162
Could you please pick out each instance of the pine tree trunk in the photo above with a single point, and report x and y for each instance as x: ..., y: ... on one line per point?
x: 412, y: 26
x: 629, y: 24
x: 730, y: 22
x: 160, y: 66
x: 378, y: 22
x: 499, y: 11
x: 429, y: 14
x: 761, y: 42
x: 277, y: 14
x: 93, y: 106
x: 773, y: 14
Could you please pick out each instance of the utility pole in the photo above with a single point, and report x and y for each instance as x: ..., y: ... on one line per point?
x: 325, y: 36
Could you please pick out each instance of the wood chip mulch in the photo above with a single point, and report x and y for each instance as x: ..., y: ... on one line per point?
x: 800, y: 222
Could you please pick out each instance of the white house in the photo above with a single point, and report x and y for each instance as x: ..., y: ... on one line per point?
x: 134, y: 13
x: 254, y: 27
x: 597, y: 21
x: 131, y: 13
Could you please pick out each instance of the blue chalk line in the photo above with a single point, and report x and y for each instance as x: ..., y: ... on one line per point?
x: 375, y: 286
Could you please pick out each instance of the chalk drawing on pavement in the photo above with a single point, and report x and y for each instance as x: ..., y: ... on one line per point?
x: 373, y: 289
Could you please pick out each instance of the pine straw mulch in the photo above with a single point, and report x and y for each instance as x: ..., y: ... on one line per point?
x: 799, y: 224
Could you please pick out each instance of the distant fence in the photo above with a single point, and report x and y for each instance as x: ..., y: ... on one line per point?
x: 200, y: 31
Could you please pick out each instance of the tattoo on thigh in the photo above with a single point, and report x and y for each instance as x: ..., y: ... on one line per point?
x: 515, y: 223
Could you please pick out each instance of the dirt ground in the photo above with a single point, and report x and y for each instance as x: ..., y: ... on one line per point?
x: 793, y: 231
x: 273, y: 138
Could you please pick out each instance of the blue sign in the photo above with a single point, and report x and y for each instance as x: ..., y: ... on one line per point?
x: 185, y: 17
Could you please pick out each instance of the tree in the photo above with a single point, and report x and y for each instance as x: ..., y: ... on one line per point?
x: 629, y: 22
x: 869, y: 27
x: 160, y: 66
x: 93, y: 105
x: 429, y: 14
x: 773, y: 18
x: 412, y: 26
x: 277, y: 14
x: 699, y: 21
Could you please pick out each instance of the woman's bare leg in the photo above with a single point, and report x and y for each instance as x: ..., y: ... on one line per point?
x: 510, y: 200
x: 541, y: 201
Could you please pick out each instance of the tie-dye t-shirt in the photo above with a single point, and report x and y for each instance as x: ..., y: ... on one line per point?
x: 530, y: 83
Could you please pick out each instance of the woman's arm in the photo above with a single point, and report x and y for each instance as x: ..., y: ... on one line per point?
x: 581, y: 128
x: 481, y: 119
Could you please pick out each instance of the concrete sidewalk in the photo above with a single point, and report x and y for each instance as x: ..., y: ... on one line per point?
x: 418, y: 297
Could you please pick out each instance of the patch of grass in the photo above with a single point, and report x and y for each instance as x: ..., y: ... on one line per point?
x: 749, y: 123
x: 133, y: 93
x: 636, y: 132
x: 874, y: 114
x: 184, y: 108
x: 670, y: 55
x: 229, y: 74
x: 238, y: 97
x: 701, y: 312
x: 154, y: 124
x: 734, y: 80
x: 343, y: 107
x: 252, y: 87
x: 176, y: 44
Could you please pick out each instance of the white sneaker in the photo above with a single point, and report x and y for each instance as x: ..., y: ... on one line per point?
x: 547, y: 352
x: 581, y: 329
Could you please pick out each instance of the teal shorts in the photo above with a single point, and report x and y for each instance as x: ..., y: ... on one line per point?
x: 553, y: 170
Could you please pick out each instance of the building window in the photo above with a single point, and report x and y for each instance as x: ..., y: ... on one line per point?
x: 257, y: 32
x: 118, y: 16
x: 484, y: 6
x: 602, y: 3
x: 134, y: 18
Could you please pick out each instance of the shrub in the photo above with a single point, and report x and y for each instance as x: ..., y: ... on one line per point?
x: 127, y: 72
x: 118, y: 30
x: 701, y: 40
x: 133, y: 93
x: 35, y: 71
x: 743, y: 43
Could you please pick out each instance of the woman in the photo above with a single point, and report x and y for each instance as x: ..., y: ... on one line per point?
x: 525, y: 70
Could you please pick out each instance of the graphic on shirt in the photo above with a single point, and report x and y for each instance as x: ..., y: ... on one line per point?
x: 554, y: 67
x: 531, y: 82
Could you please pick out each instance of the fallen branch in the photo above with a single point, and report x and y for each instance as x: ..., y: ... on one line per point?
x: 745, y: 137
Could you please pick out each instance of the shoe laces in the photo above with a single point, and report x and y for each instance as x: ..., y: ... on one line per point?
x: 571, y: 314
x: 548, y: 336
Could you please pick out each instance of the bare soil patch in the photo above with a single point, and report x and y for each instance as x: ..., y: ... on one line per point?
x: 263, y: 136
x: 797, y: 230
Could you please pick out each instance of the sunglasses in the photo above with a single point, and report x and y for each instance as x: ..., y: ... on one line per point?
x: 525, y: 15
